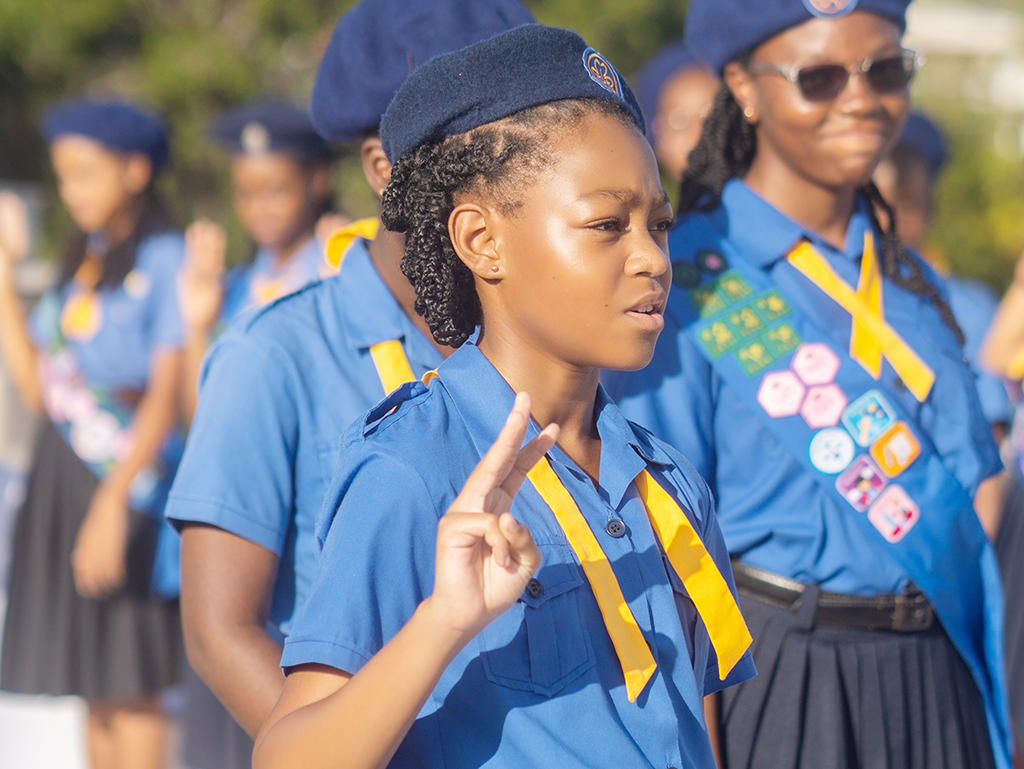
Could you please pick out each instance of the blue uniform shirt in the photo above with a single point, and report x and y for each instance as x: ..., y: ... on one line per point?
x: 277, y: 392
x: 263, y: 281
x: 773, y: 513
x: 974, y: 305
x: 541, y: 685
x: 140, y: 317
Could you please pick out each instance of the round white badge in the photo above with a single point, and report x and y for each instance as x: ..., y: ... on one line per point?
x: 832, y: 450
x: 137, y: 284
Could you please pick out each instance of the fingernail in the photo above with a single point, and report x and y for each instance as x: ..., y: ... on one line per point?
x: 513, y: 525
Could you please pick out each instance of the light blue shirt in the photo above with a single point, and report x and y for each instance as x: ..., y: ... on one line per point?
x: 773, y: 513
x: 541, y: 685
x: 242, y: 285
x: 277, y: 392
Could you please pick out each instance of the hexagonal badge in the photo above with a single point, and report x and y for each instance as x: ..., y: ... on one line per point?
x: 780, y: 394
x: 815, y: 363
x: 823, y: 406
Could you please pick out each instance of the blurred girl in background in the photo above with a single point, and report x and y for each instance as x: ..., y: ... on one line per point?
x: 100, y: 357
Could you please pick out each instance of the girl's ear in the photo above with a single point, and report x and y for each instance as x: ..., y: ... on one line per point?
x: 138, y: 172
x: 740, y: 82
x: 471, y: 228
x: 376, y: 167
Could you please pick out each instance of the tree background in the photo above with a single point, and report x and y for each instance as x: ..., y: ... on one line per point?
x: 191, y: 58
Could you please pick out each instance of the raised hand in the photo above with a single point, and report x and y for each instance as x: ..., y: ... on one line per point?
x: 484, y: 556
x: 200, y: 287
x: 15, y: 239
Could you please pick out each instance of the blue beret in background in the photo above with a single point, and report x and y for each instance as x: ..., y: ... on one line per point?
x: 659, y: 69
x: 117, y: 125
x: 269, y: 126
x: 379, y: 42
x: 718, y: 31
x: 522, y: 68
x: 923, y: 137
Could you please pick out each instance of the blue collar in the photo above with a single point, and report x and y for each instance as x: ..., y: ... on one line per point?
x: 763, y: 234
x: 484, y: 400
x: 371, y: 314
x: 309, y: 252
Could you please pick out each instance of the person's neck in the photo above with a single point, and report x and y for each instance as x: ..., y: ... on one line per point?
x: 282, y: 253
x: 386, y: 251
x: 559, y: 393
x: 122, y: 224
x: 823, y: 210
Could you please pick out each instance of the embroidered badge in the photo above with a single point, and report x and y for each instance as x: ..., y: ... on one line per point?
x: 830, y: 8
x: 823, y: 406
x: 861, y: 484
x: 707, y: 301
x: 255, y: 139
x: 754, y: 358
x: 816, y: 364
x: 780, y: 394
x: 896, y: 450
x: 717, y: 339
x: 734, y: 287
x: 602, y: 72
x: 712, y: 261
x: 782, y: 340
x: 831, y: 450
x: 868, y: 417
x: 685, y: 274
x: 744, y: 322
x: 894, y: 514
x: 772, y: 306
x: 137, y: 284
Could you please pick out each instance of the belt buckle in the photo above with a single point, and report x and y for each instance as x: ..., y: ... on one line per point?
x: 912, y: 613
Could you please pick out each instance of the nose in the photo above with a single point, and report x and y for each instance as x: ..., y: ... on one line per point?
x: 649, y: 257
x: 858, y: 96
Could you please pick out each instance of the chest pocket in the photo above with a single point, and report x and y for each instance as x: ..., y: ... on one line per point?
x: 541, y: 644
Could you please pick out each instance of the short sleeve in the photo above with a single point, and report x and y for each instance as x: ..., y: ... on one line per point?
x: 238, y: 469
x: 379, y: 531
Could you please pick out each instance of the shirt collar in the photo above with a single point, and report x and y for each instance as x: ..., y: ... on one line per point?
x: 484, y: 400
x: 370, y: 312
x: 763, y: 234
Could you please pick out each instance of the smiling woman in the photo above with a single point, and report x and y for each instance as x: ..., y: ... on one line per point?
x: 462, y: 616
x: 812, y: 372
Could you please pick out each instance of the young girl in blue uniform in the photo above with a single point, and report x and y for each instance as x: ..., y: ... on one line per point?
x: 281, y: 186
x: 812, y: 371
x: 576, y: 618
x: 100, y: 359
x: 280, y: 388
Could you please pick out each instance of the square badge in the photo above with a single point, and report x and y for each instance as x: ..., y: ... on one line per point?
x: 894, y: 514
x: 861, y: 483
x: 868, y: 417
x: 896, y: 450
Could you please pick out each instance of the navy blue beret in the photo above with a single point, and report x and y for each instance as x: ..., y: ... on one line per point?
x: 719, y: 31
x: 922, y: 137
x: 269, y: 126
x: 659, y: 69
x: 117, y: 125
x: 379, y: 42
x: 522, y: 68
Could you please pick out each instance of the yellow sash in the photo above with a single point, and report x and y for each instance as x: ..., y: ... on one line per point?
x: 340, y: 241
x: 82, y: 316
x: 689, y: 558
x: 872, y: 337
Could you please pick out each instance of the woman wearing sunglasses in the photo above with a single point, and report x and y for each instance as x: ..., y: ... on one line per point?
x: 812, y: 372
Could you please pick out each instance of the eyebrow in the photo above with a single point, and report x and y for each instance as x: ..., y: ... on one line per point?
x: 629, y: 197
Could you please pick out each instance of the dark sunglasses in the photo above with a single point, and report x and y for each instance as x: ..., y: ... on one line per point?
x: 824, y: 82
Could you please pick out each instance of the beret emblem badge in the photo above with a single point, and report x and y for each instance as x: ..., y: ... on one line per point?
x: 602, y: 72
x: 830, y: 8
x: 255, y: 139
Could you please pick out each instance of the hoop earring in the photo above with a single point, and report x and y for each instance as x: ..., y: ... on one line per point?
x: 748, y: 112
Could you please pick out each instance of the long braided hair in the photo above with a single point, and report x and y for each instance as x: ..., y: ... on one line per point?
x: 499, y: 159
x: 726, y: 150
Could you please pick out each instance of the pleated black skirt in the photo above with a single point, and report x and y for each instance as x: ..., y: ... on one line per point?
x: 211, y: 738
x: 56, y: 642
x: 1010, y: 553
x: 837, y: 698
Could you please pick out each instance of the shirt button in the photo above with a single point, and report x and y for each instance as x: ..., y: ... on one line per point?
x: 615, y: 528
x: 899, y: 384
x: 534, y: 588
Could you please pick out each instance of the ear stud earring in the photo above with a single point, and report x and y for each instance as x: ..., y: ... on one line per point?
x: 494, y: 268
x: 748, y: 112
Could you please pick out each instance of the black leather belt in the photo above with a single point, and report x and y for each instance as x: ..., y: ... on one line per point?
x: 908, y: 612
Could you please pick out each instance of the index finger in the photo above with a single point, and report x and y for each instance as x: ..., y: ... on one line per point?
x: 499, y: 460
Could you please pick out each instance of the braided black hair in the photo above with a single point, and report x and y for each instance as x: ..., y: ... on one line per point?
x: 726, y: 150
x: 499, y: 159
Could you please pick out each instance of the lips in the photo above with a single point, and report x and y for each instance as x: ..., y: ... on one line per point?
x: 648, y: 312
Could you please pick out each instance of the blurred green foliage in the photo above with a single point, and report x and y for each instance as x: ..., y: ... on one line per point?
x: 192, y: 58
